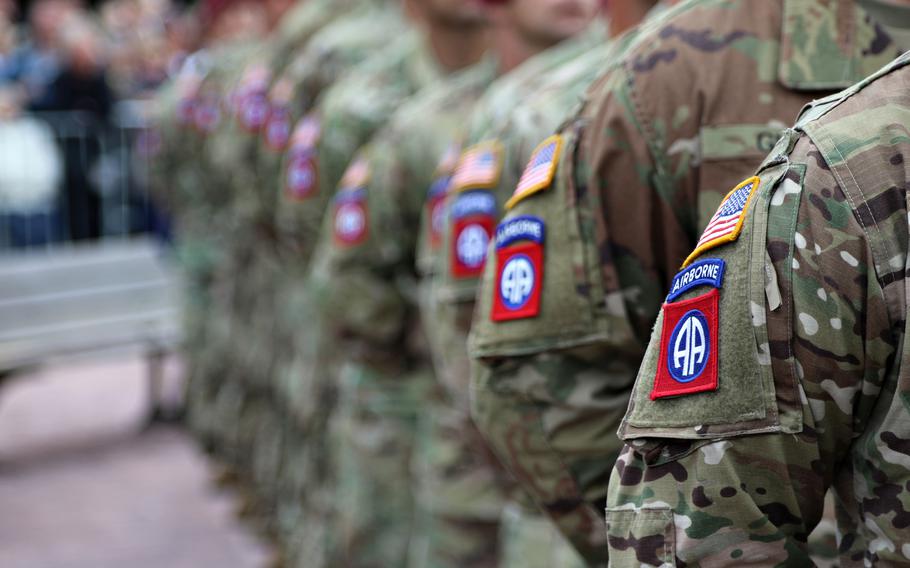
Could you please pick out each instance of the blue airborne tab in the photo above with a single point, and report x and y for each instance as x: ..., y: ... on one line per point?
x: 524, y: 228
x: 474, y: 203
x: 706, y: 272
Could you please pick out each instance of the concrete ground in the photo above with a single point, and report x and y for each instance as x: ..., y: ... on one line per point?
x: 84, y: 484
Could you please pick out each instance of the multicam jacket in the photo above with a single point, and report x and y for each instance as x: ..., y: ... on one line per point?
x: 799, y: 382
x: 676, y: 122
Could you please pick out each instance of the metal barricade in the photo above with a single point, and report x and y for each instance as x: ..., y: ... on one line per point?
x: 99, y: 192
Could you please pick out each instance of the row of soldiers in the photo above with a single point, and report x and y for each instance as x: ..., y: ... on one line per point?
x: 427, y: 242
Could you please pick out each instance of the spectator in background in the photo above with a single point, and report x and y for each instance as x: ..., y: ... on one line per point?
x: 81, y: 82
x: 81, y: 85
x: 36, y: 64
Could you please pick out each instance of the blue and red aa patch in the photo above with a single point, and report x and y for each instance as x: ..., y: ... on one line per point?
x: 351, y: 217
x: 687, y: 362
x: 473, y: 221
x: 277, y: 131
x: 519, y: 269
x: 302, y: 173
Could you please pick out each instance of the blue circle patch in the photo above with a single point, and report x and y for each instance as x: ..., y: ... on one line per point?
x: 690, y: 347
x: 516, y: 283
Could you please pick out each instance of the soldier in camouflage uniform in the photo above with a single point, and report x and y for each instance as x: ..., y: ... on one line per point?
x: 803, y: 381
x: 252, y: 267
x: 375, y: 477
x: 302, y: 510
x: 608, y: 210
x: 371, y: 280
x: 197, y: 110
x: 346, y: 116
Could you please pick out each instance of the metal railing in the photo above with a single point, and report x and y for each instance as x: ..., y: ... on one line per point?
x: 99, y: 181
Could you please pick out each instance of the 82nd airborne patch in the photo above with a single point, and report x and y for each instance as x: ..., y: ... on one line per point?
x: 436, y: 195
x: 727, y: 223
x: 687, y: 362
x: 706, y: 272
x: 302, y: 174
x: 351, y: 219
x: 473, y: 220
x: 277, y: 130
x: 519, y: 268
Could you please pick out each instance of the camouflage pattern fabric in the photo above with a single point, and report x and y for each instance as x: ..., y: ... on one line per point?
x: 686, y: 113
x: 367, y: 287
x: 371, y: 92
x: 812, y: 320
x: 530, y: 540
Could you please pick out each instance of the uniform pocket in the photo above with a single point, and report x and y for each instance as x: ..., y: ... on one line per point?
x: 641, y: 537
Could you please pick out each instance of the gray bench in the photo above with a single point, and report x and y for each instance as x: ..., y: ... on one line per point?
x: 88, y: 299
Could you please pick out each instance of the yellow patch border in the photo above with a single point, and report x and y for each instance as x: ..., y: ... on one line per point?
x: 734, y: 235
x: 543, y: 184
x: 496, y: 147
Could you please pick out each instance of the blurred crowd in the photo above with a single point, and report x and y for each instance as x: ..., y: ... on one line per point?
x: 62, y: 55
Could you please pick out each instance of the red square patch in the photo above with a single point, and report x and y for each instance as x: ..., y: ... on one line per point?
x: 687, y: 362
x: 351, y: 219
x: 436, y: 212
x: 301, y: 177
x: 470, y: 239
x: 519, y: 276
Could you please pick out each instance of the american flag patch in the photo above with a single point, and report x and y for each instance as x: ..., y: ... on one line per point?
x: 478, y: 167
x: 727, y: 223
x: 357, y: 175
x: 538, y: 174
x: 306, y: 134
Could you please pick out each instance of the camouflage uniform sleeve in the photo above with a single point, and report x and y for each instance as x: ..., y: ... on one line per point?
x: 549, y: 388
x: 367, y: 282
x: 737, y: 474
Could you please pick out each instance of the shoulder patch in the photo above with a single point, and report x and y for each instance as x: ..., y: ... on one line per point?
x: 206, y: 114
x: 252, y: 98
x: 519, y: 268
x: 473, y: 220
x: 479, y: 167
x: 687, y: 362
x: 706, y: 272
x: 357, y: 175
x: 302, y: 175
x: 351, y: 217
x: 436, y: 195
x: 727, y: 223
x: 539, y: 172
x: 277, y: 130
x: 306, y: 134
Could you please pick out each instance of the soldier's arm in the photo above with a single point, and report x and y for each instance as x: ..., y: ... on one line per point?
x: 736, y: 474
x: 365, y: 282
x: 550, y: 387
